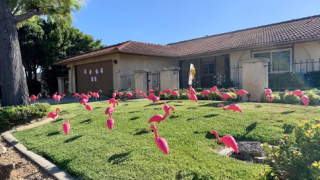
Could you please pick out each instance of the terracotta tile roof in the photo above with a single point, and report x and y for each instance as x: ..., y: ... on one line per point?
x: 287, y: 31
x: 298, y: 29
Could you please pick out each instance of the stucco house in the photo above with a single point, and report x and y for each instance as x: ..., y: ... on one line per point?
x: 284, y: 43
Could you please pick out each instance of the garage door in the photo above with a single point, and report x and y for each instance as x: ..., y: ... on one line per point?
x: 95, y: 76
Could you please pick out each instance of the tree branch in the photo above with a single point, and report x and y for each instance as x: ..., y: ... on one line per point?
x: 27, y: 15
x: 16, y: 10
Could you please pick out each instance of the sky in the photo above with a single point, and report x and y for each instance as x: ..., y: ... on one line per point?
x: 168, y: 21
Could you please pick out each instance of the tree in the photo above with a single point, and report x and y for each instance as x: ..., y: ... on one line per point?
x: 12, y: 78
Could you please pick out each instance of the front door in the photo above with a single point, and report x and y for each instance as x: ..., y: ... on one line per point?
x: 208, y: 74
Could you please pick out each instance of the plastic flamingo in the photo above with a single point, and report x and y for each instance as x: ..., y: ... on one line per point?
x: 34, y: 98
x: 66, y: 127
x: 129, y: 95
x: 150, y: 91
x: 151, y: 96
x: 160, y: 142
x: 48, y: 96
x: 305, y: 100
x: 96, y: 94
x: 84, y: 101
x: 53, y: 115
x: 205, y: 92
x: 76, y: 96
x: 268, y: 91
x: 119, y: 93
x: 158, y: 117
x: 167, y: 108
x: 83, y: 96
x: 166, y: 91
x: 88, y: 107
x: 228, y: 141
x: 296, y: 92
x: 225, y: 96
x: 174, y: 93
x: 58, y: 97
x: 191, y: 90
x: 233, y: 107
x: 110, y: 109
x: 157, y: 98
x: 270, y: 98
x: 110, y: 123
x: 193, y: 97
x: 214, y: 89
x: 240, y: 92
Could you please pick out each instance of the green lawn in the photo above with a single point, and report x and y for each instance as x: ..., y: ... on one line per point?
x: 91, y: 151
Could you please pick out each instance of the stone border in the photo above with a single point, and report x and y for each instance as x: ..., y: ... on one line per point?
x: 46, y: 165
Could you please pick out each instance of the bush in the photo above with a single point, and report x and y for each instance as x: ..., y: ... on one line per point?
x: 163, y: 96
x: 17, y: 115
x: 215, y: 96
x: 34, y: 86
x: 291, y: 99
x: 313, y: 98
x: 184, y: 96
x: 297, y: 156
x: 198, y: 89
x: 277, y: 98
x: 171, y: 97
x: 233, y: 95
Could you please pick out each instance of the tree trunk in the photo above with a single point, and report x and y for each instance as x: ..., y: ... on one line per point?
x: 13, y: 81
x: 35, y: 73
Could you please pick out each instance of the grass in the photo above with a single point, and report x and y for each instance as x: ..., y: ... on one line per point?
x: 91, y: 151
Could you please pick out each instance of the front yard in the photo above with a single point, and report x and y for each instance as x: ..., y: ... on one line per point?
x: 92, y: 151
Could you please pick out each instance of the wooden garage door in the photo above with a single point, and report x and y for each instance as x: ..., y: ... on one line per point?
x: 106, y: 76
x: 95, y: 76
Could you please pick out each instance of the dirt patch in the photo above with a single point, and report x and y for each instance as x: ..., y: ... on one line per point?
x: 24, y: 168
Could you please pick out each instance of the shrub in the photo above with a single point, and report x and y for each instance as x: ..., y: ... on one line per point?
x: 277, y: 98
x: 163, y: 96
x: 233, y: 95
x: 313, y: 98
x: 198, y: 89
x: 291, y: 99
x: 214, y: 95
x: 183, y: 96
x: 171, y: 97
x: 297, y: 156
x: 17, y: 115
x: 34, y: 86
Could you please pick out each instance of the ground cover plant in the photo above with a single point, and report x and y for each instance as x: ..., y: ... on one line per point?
x: 92, y: 151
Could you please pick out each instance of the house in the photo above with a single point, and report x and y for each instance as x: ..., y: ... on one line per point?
x: 290, y: 46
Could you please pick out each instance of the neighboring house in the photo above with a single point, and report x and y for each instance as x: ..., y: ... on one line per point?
x: 285, y: 43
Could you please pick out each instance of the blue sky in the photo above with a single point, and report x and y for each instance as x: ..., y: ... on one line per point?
x: 168, y: 21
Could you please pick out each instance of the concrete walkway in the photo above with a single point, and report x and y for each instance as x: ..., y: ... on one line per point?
x: 69, y: 99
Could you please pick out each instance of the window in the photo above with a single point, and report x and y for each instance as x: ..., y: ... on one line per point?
x: 101, y: 70
x: 85, y: 71
x: 279, y: 60
x: 208, y: 69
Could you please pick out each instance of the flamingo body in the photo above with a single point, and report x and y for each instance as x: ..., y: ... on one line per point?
x: 84, y: 101
x: 53, y: 115
x: 66, y: 127
x: 174, y: 93
x: 233, y: 107
x: 226, y: 96
x: 305, y: 100
x: 193, y: 97
x: 268, y: 91
x: 110, y: 123
x: 157, y: 118
x: 76, y: 95
x: 229, y: 141
x: 88, y: 107
x: 160, y: 142
x: 270, y: 98
x: 205, y: 92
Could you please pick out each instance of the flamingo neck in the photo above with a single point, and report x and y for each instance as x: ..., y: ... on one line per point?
x: 144, y: 95
x: 57, y: 111
x: 159, y: 94
x: 171, y: 108
x: 155, y: 133
x: 233, y: 90
x: 114, y: 104
x: 224, y: 107
x: 217, y: 136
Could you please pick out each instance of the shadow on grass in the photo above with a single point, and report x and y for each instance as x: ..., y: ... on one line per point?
x: 63, y: 112
x: 126, y: 105
x: 258, y: 106
x: 119, y: 158
x: 192, y: 108
x: 157, y: 108
x: 210, y: 115
x: 57, y: 120
x: 173, y: 116
x: 63, y: 164
x: 189, y: 119
x: 134, y: 118
x: 193, y: 176
x: 177, y: 105
x: 250, y: 128
x: 142, y: 131
x: 72, y: 139
x: 88, y: 121
x: 152, y: 104
x: 287, y: 112
x: 53, y: 133
x: 288, y: 128
x: 133, y: 112
x: 97, y: 108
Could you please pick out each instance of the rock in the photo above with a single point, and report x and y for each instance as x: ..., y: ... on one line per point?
x: 251, y: 148
x: 2, y: 149
x: 260, y: 160
x: 226, y: 152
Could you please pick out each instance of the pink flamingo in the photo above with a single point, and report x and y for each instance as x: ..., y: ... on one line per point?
x: 296, y: 92
x: 76, y: 96
x: 233, y: 107
x: 270, y: 98
x: 206, y: 93
x: 268, y: 91
x: 156, y: 98
x: 83, y: 96
x: 66, y: 127
x: 174, y: 93
x: 110, y: 123
x: 84, y: 101
x: 192, y: 91
x: 53, y: 115
x: 151, y: 96
x: 118, y: 92
x: 305, y: 100
x: 160, y: 142
x: 225, y: 96
x: 110, y: 109
x: 193, y: 97
x: 58, y: 97
x: 167, y: 108
x: 129, y: 95
x: 88, y: 107
x: 166, y: 91
x: 96, y: 94
x: 34, y: 98
x: 158, y: 117
x: 48, y: 96
x: 150, y: 91
x: 228, y: 141
x: 214, y: 89
x: 240, y: 92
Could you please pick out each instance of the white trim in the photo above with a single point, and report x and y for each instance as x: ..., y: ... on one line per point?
x: 276, y: 50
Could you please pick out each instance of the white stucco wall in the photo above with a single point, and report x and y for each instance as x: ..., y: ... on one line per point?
x: 235, y: 62
x: 127, y: 64
x: 307, y: 51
